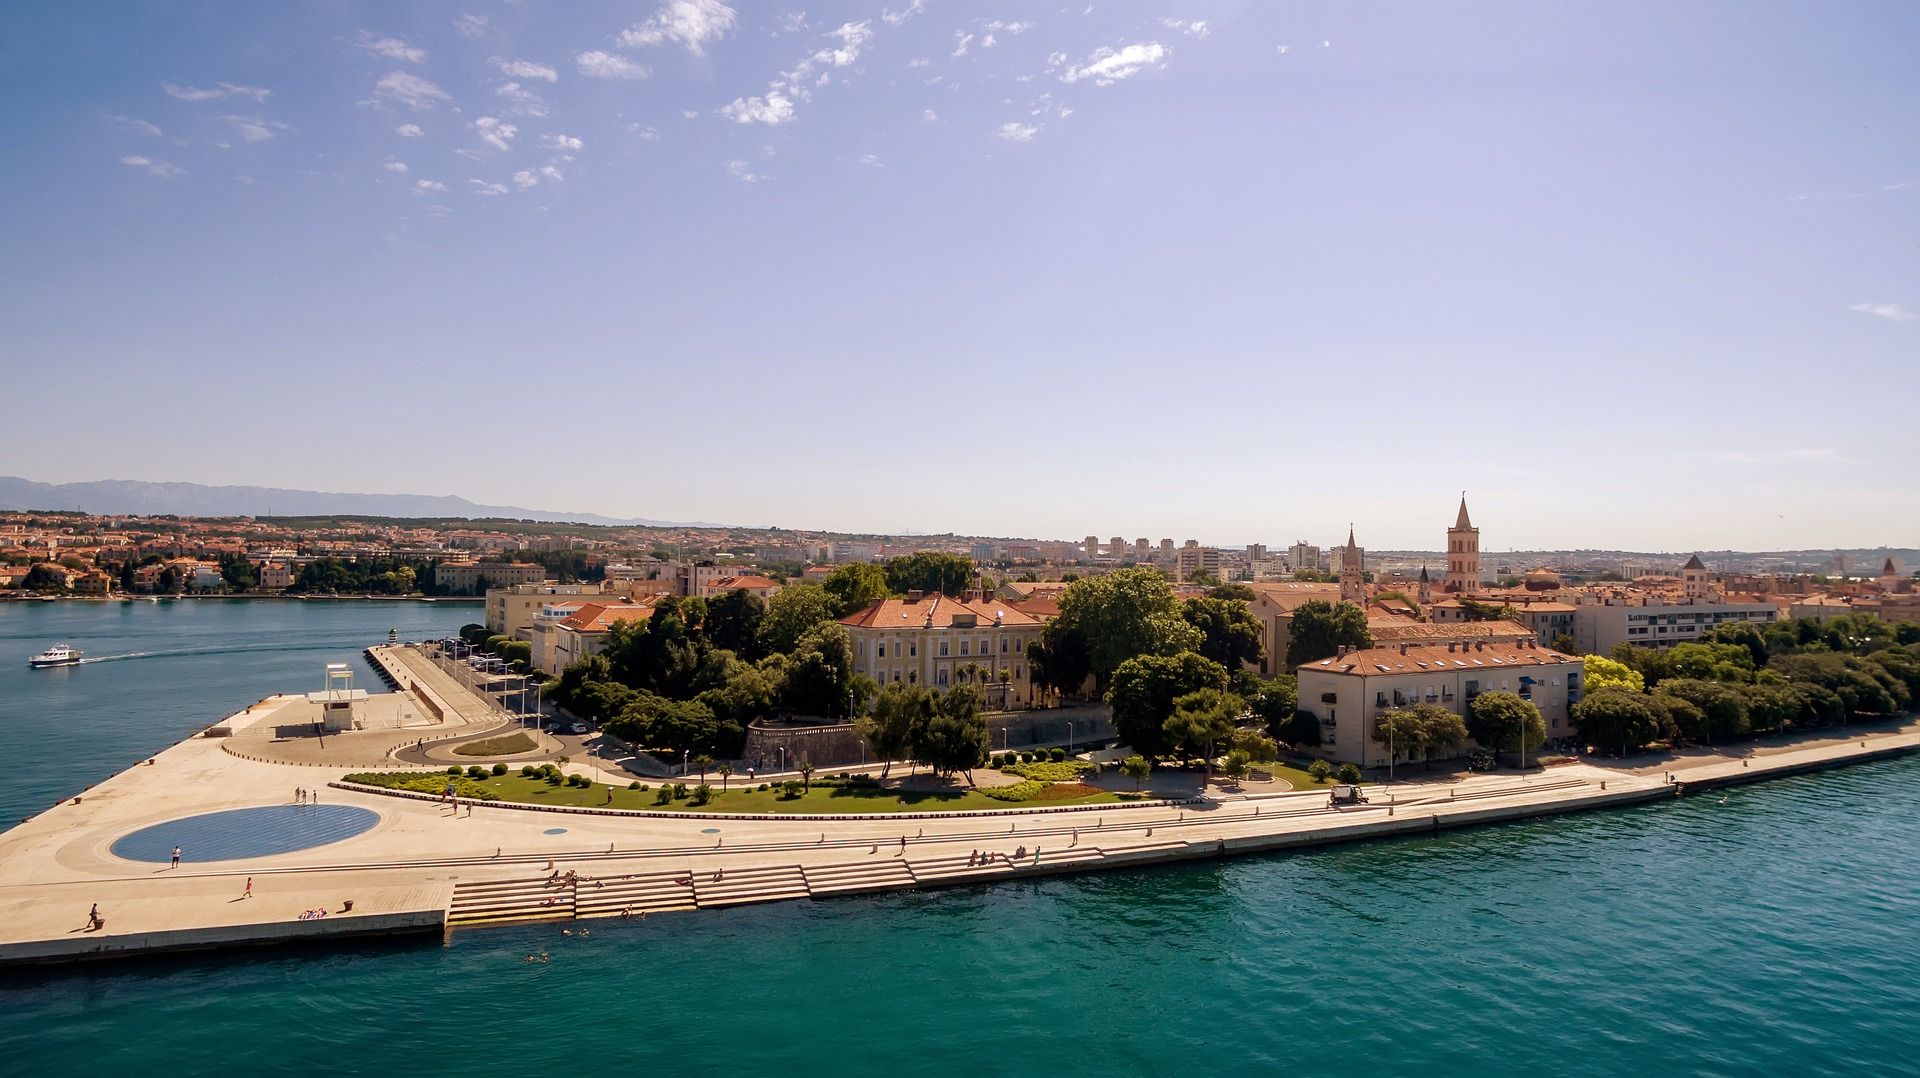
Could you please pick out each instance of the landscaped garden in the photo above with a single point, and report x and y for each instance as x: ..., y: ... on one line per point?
x: 505, y: 745
x: 547, y: 785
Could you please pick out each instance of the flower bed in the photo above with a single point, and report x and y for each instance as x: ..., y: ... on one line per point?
x: 425, y: 782
x: 1065, y: 791
x: 1066, y: 771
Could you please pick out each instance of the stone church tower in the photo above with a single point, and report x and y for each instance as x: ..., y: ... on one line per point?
x: 1353, y: 586
x: 1463, y: 554
x: 1426, y: 587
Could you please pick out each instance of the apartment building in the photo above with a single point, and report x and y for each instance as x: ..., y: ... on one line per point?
x: 940, y: 641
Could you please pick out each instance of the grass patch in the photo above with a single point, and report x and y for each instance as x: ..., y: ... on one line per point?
x: 1066, y: 771
x: 427, y: 782
x: 504, y: 745
x: 820, y: 799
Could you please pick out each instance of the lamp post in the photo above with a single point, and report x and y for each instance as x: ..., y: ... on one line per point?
x: 1069, y: 737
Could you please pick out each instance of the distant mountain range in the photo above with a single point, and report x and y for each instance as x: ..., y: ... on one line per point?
x: 129, y: 496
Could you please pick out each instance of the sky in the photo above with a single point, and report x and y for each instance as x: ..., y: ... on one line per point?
x: 1634, y: 275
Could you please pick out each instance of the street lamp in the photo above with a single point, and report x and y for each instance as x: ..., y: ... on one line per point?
x: 1069, y: 737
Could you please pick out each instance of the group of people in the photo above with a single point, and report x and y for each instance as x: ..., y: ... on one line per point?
x: 313, y: 914
x: 983, y: 858
x: 304, y: 796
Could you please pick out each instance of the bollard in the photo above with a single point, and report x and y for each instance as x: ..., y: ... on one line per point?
x: 1603, y: 784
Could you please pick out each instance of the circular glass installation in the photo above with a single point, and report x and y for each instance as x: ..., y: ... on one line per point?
x: 247, y: 832
x: 709, y: 830
x: 554, y: 831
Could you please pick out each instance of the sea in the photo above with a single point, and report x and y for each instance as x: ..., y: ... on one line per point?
x: 1768, y: 930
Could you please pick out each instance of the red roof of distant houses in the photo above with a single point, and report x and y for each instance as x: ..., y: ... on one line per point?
x: 599, y: 617
x: 1040, y: 607
x: 1435, y: 657
x: 749, y: 582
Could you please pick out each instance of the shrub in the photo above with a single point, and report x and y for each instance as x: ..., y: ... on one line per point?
x: 635, y: 785
x: 764, y: 787
x: 1349, y: 774
x: 553, y: 779
x: 702, y: 794
x: 1019, y: 791
x: 426, y: 782
x: 454, y: 769
x: 528, y: 771
x: 1480, y: 760
x: 664, y: 795
x: 1319, y: 769
x: 1049, y: 771
x: 1058, y: 755
x: 477, y: 772
x: 679, y: 791
x: 1026, y: 757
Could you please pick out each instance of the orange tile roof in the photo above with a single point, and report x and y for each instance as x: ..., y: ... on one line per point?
x: 1415, y: 659
x: 1410, y: 632
x: 937, y: 610
x: 599, y: 617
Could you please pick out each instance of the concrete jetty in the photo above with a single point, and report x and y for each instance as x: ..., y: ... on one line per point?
x: 419, y: 866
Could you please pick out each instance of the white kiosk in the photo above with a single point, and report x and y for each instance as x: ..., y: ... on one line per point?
x: 337, y: 701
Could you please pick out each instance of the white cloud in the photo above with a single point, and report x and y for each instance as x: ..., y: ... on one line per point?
x: 154, y: 168
x: 1283, y: 49
x: 853, y: 37
x: 1892, y: 312
x: 644, y: 132
x: 551, y: 173
x: 137, y: 124
x: 929, y: 115
x: 918, y: 61
x: 525, y: 69
x: 409, y: 131
x: 871, y: 160
x: 775, y: 108
x: 429, y: 185
x: 395, y: 166
x: 411, y: 90
x: 742, y: 171
x: 561, y: 142
x: 895, y: 18
x: 495, y: 132
x: 1326, y: 44
x: 482, y: 187
x: 792, y: 22
x: 961, y: 40
x: 524, y: 102
x: 1196, y: 28
x: 220, y: 90
x: 1013, y: 132
x: 1055, y: 59
x: 692, y: 23
x: 1107, y: 66
x: 256, y: 129
x: 390, y: 47
x: 472, y: 26
x: 997, y: 26
x: 524, y: 179
x: 606, y: 65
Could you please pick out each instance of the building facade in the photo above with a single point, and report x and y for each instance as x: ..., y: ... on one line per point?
x: 940, y: 641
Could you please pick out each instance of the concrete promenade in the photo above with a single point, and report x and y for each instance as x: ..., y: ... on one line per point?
x: 427, y: 867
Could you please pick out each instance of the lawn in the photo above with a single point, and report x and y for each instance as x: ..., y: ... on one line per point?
x: 820, y: 799
x: 504, y: 745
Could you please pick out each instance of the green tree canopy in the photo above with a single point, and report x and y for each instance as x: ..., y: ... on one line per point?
x: 1273, y: 701
x: 1144, y: 691
x: 954, y: 738
x: 733, y: 622
x: 1320, y: 629
x: 1605, y: 673
x: 1230, y: 634
x: 855, y: 585
x: 930, y: 572
x: 1504, y: 722
x: 1120, y: 615
x: 896, y: 722
x: 819, y: 676
x: 793, y: 611
x: 1201, y: 720
x: 1619, y: 719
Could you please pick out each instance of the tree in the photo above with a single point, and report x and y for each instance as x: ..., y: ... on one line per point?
x: 806, y: 775
x: 1722, y: 707
x: 1230, y: 634
x: 1618, y: 718
x: 1273, y: 701
x: 793, y: 611
x: 1200, y: 720
x: 1120, y: 615
x: 1137, y: 768
x: 1238, y: 763
x: 1605, y: 673
x: 1057, y: 661
x: 1319, y: 769
x: 1442, y: 731
x: 733, y: 622
x: 1473, y: 610
x: 955, y: 737
x: 1349, y: 773
x: 1236, y: 591
x: 1320, y: 629
x: 1565, y: 644
x: 896, y: 723
x: 238, y: 572
x: 930, y: 572
x: 1504, y: 722
x: 474, y: 633
x: 855, y: 585
x: 1709, y: 662
x: 45, y: 578
x: 703, y: 762
x: 1144, y: 691
x: 1401, y: 731
x: 819, y: 677
x: 725, y: 771
x: 1304, y: 731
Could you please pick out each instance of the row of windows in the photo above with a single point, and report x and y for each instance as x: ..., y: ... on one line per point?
x: 1007, y: 647
x: 942, y: 677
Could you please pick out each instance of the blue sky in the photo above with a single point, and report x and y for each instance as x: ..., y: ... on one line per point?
x: 1635, y: 275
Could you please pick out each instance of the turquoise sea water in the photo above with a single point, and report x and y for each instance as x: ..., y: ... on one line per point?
x: 1768, y: 930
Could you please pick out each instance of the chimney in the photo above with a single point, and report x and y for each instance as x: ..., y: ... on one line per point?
x: 1450, y: 647
x: 1403, y: 649
x: 915, y: 595
x: 1479, y: 645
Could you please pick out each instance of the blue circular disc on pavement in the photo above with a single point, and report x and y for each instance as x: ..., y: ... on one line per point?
x: 247, y: 832
x: 554, y: 831
x: 709, y: 830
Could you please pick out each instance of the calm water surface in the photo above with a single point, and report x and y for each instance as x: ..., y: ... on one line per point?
x: 1765, y: 931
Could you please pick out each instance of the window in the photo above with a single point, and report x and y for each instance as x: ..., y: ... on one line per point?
x: 913, y: 648
x: 963, y: 648
x: 1003, y: 645
x: 879, y: 650
x: 943, y: 651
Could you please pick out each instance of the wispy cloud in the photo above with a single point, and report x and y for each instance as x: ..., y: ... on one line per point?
x: 256, y: 128
x: 395, y: 166
x: 482, y: 187
x: 391, y: 48
x: 471, y: 26
x: 928, y: 115
x: 521, y: 101
x: 1014, y: 132
x: 1892, y: 312
x: 562, y: 142
x: 1196, y: 28
x: 525, y: 69
x: 429, y: 185
x: 774, y: 108
x: 596, y: 64
x: 219, y: 90
x: 409, y: 131
x: 495, y: 132
x: 643, y: 132
x: 1108, y: 66
x: 895, y: 18
x: 692, y: 23
x: 406, y: 88
x: 136, y: 124
x: 160, y: 169
x: 743, y: 171
x: 872, y: 160
x: 525, y: 178
x: 777, y: 105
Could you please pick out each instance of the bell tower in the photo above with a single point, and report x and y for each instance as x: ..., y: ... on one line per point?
x: 1353, y: 586
x: 1463, y: 553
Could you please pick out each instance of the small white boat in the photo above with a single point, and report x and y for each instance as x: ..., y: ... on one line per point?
x: 57, y: 655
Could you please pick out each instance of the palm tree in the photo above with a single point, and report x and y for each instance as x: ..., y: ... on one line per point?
x: 806, y: 776
x: 703, y: 761
x: 725, y: 771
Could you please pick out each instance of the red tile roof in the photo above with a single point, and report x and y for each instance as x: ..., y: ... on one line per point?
x: 938, y: 611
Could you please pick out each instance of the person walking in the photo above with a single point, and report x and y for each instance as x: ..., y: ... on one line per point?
x: 93, y: 917
x: 176, y: 857
x: 248, y: 893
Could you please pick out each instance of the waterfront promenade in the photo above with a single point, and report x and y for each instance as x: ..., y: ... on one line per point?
x: 424, y: 867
